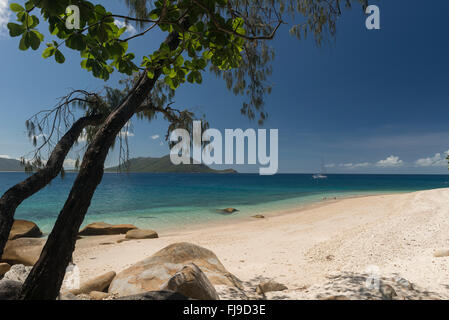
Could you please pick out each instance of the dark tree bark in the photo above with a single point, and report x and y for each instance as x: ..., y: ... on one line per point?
x: 47, y: 275
x: 25, y: 189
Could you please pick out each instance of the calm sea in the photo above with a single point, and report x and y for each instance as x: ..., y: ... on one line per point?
x: 162, y: 201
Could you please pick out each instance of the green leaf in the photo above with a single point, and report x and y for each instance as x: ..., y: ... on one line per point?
x: 30, y: 22
x: 201, y: 63
x: 34, y: 21
x: 76, y: 41
x: 166, y: 70
x: 48, y: 52
x: 29, y: 5
x: 15, y: 29
x: 22, y: 44
x: 39, y: 35
x: 208, y: 54
x: 179, y: 61
x: 191, y: 78
x: 172, y: 73
x: 25, y: 42
x: 16, y: 7
x: 59, y: 57
x: 34, y: 40
x: 198, y: 77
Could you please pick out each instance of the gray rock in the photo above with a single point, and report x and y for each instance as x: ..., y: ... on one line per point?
x: 441, y: 253
x: 100, y: 283
x: 341, y: 297
x: 67, y: 296
x: 9, y: 290
x: 387, y: 291
x: 156, y: 295
x: 24, y: 229
x: 228, y: 210
x: 18, y: 272
x: 269, y: 286
x: 102, y: 228
x: 191, y: 282
x: 96, y: 295
x: 404, y: 283
x: 23, y: 251
x: 153, y: 272
x: 141, y: 234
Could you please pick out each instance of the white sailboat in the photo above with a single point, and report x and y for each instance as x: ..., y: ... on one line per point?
x: 322, y: 174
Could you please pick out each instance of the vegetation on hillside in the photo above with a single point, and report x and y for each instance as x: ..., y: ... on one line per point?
x: 164, y: 165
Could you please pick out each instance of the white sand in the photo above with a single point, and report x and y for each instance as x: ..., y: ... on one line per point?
x: 396, y: 233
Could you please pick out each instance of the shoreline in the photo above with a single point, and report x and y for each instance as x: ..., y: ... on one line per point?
x: 303, y: 248
x: 275, y: 207
x: 234, y: 218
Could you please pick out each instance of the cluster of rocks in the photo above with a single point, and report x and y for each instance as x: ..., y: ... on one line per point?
x: 12, y: 281
x: 178, y: 271
x: 21, y: 252
x: 227, y: 210
x: 25, y: 244
x: 130, y: 231
x: 184, y: 268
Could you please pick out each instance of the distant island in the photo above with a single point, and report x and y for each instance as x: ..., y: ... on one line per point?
x: 10, y: 165
x: 142, y: 165
x: 164, y: 165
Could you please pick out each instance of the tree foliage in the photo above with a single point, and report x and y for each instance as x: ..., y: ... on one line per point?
x: 226, y: 35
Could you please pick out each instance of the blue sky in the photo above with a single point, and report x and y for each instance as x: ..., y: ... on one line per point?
x: 369, y: 101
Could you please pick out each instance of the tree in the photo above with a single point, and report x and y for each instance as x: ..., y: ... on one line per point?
x: 47, y: 124
x: 25, y: 189
x: 228, y: 35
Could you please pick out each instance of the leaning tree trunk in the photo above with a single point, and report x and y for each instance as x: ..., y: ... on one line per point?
x: 25, y: 189
x: 47, y: 275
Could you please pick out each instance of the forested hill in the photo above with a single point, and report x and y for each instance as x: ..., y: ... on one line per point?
x: 10, y: 165
x: 164, y: 165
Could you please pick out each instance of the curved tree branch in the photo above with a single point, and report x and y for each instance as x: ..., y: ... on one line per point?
x: 25, y: 189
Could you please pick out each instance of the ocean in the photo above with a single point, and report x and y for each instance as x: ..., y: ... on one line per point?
x: 166, y: 201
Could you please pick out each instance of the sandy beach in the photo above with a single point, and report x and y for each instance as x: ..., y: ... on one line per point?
x: 321, y: 250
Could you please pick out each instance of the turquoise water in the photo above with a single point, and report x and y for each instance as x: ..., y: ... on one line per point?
x: 162, y: 201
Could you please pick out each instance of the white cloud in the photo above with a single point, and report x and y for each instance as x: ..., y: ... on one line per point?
x: 436, y: 161
x: 129, y: 28
x: 124, y: 134
x: 391, y: 161
x: 355, y: 165
x: 330, y: 165
x: 346, y: 165
x: 156, y: 136
x: 362, y: 164
x: 5, y: 156
x: 4, y: 15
